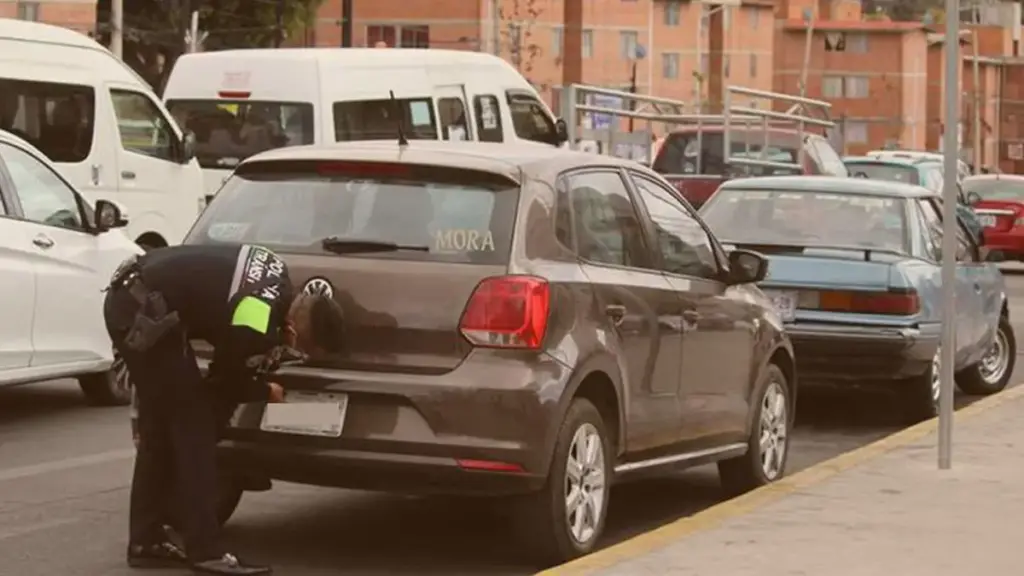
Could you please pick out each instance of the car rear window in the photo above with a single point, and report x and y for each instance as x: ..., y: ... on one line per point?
x: 995, y: 189
x: 678, y: 154
x: 455, y: 215
x: 879, y: 171
x: 803, y: 218
x: 229, y: 131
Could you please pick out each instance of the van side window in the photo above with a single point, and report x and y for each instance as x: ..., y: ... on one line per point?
x: 375, y: 119
x: 58, y: 119
x: 454, y: 125
x: 488, y: 119
x: 530, y: 120
x: 143, y: 127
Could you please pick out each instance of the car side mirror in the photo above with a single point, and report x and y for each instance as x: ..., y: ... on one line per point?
x: 188, y: 147
x: 746, y: 267
x: 109, y: 216
x: 973, y: 198
x: 561, y: 132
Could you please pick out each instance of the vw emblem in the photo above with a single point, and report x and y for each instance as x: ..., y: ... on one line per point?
x: 318, y: 287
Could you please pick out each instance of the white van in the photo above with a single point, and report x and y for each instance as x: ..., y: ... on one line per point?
x: 102, y: 127
x: 241, y: 102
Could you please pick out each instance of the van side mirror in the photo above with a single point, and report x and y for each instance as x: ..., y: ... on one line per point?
x: 561, y: 132
x: 108, y: 216
x: 188, y: 147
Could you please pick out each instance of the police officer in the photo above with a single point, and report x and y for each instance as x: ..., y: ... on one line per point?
x: 240, y: 300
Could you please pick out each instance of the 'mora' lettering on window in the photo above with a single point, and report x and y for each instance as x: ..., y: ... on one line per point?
x: 463, y: 240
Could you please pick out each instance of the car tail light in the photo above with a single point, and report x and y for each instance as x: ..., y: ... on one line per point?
x: 234, y: 94
x: 507, y: 312
x: 898, y: 303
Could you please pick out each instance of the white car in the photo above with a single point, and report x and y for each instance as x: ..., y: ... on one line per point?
x: 55, y: 260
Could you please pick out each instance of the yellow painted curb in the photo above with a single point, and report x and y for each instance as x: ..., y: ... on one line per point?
x: 715, y: 515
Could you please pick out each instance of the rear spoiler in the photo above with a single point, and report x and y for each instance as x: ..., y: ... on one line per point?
x: 769, y: 248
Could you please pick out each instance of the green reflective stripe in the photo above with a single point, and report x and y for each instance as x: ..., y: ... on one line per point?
x: 252, y: 313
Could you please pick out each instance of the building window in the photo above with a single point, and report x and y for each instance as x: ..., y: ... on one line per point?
x: 753, y: 65
x: 856, y: 87
x: 832, y: 86
x: 398, y: 36
x: 857, y: 43
x: 587, y: 43
x: 755, y: 16
x: 855, y: 132
x: 670, y: 65
x: 673, y: 12
x: 557, y: 41
x: 28, y: 11
x: 628, y: 42
x: 835, y: 42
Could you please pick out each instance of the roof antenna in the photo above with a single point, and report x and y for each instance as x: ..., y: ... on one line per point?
x: 397, y: 110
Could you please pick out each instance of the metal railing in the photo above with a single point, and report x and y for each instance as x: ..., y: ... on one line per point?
x: 653, y: 109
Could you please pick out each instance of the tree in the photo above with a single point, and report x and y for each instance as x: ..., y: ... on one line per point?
x: 516, y: 35
x: 155, y: 30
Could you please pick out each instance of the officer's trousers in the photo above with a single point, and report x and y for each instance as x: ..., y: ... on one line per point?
x: 175, y: 464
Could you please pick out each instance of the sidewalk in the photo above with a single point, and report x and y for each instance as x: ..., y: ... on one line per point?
x: 884, y: 509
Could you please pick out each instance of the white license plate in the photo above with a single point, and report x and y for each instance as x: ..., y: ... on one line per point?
x: 784, y: 302
x: 307, y: 414
x: 987, y: 220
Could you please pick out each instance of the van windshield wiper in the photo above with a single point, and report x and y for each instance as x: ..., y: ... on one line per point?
x: 340, y: 245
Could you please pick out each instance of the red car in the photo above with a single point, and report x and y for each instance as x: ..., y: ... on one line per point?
x: 998, y: 201
x: 676, y: 157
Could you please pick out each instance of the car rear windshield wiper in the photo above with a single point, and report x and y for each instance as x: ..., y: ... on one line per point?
x: 340, y: 245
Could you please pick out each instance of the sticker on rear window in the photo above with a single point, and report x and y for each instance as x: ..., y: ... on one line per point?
x: 228, y: 231
x: 463, y: 240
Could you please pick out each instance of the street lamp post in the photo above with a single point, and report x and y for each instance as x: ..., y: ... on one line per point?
x: 639, y: 53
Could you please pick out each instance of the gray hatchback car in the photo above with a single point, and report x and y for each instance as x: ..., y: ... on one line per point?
x: 521, y: 322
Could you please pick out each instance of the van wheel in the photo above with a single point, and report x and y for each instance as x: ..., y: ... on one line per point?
x: 992, y: 373
x: 110, y: 388
x: 768, y: 444
x: 566, y: 518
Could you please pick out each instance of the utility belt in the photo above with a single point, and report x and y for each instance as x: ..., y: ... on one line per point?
x: 152, y: 318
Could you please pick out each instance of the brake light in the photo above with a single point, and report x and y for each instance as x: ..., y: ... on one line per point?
x: 233, y: 95
x: 507, y: 312
x: 898, y: 303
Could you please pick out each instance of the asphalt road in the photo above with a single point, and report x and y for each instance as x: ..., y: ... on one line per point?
x: 65, y: 470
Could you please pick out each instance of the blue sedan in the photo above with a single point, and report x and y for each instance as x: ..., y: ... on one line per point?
x: 854, y: 274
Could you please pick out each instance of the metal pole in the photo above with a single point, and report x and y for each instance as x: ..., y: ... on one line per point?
x: 279, y: 24
x: 700, y: 60
x: 496, y: 28
x: 976, y: 100
x: 117, y: 28
x: 347, y: 22
x: 949, y: 237
x: 193, y: 33
x: 809, y: 18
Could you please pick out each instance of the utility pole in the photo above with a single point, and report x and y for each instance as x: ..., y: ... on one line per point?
x: 572, y: 54
x: 346, y: 23
x: 117, y: 28
x: 279, y: 23
x: 496, y: 28
x: 804, y: 71
x: 193, y: 33
x: 976, y: 100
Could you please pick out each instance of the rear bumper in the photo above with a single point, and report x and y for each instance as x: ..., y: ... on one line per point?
x: 846, y: 355
x: 416, y: 433
x: 1010, y: 243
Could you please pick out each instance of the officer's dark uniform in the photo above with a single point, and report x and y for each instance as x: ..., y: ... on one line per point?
x: 236, y: 298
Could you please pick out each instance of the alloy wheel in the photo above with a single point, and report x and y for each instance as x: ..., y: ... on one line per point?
x: 936, y: 376
x: 774, y: 431
x: 993, y: 365
x: 585, y: 483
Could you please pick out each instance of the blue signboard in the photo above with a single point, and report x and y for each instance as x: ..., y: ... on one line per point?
x: 603, y: 121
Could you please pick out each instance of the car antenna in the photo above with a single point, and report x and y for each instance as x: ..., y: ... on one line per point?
x: 402, y: 140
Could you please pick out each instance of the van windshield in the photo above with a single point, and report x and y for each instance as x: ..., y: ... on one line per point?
x: 229, y: 131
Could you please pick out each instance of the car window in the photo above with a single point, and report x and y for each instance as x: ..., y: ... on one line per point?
x: 678, y: 153
x: 142, y: 126
x: 1011, y: 190
x: 488, y: 119
x: 683, y: 243
x: 452, y: 113
x: 607, y: 229
x: 375, y: 119
x: 55, y: 118
x: 932, y: 211
x: 229, y: 131
x: 881, y: 171
x: 530, y: 120
x: 43, y: 196
x: 445, y: 214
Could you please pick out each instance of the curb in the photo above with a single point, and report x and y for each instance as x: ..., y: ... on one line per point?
x: 711, y: 517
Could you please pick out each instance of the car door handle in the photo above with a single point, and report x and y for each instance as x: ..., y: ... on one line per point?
x: 128, y: 175
x: 43, y: 241
x: 617, y: 312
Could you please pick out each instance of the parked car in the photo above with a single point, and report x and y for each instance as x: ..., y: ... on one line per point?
x: 962, y: 168
x: 855, y: 276
x: 697, y: 179
x: 510, y: 332
x: 998, y: 200
x: 56, y: 258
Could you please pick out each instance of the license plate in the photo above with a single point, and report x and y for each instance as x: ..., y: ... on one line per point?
x: 987, y: 221
x: 784, y: 303
x: 307, y: 414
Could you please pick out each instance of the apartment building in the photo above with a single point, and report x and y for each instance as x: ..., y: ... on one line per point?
x: 666, y: 42
x: 76, y: 14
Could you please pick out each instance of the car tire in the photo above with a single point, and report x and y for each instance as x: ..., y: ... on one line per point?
x: 920, y: 395
x: 992, y: 373
x: 557, y: 534
x: 772, y: 425
x: 109, y: 388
